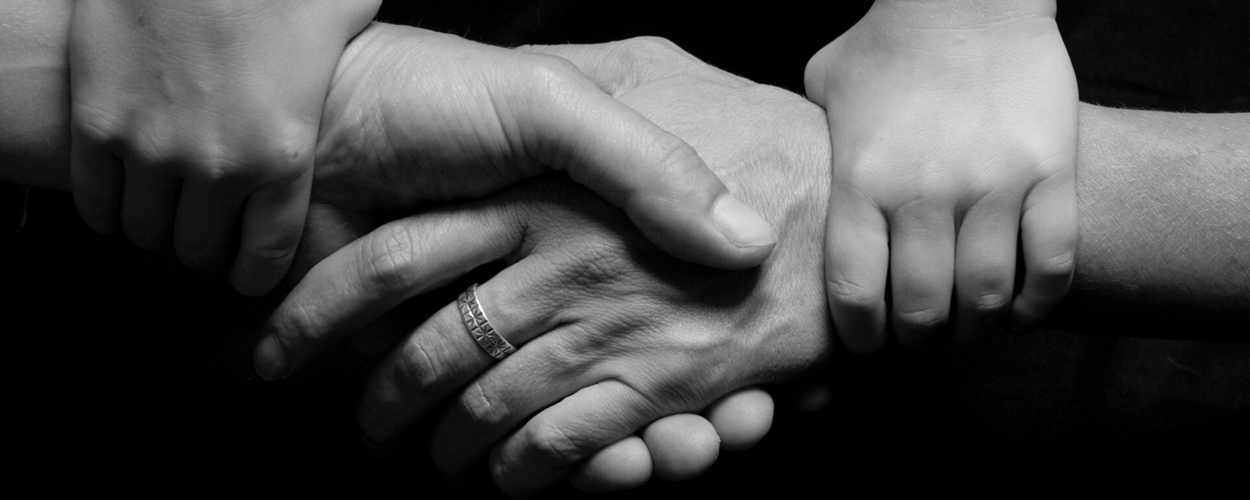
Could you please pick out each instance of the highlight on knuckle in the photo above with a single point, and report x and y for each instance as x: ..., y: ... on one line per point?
x: 422, y: 370
x: 922, y: 318
x: 484, y: 407
x: 388, y: 259
x: 851, y: 295
x: 553, y: 443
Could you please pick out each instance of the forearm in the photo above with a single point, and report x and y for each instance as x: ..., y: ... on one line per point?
x: 34, y: 93
x: 1164, y: 203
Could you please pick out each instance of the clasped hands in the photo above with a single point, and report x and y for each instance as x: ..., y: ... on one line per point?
x: 613, y: 334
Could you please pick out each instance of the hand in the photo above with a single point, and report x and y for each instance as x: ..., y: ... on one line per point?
x: 612, y: 334
x: 951, y: 137
x: 199, y: 119
x: 416, y: 117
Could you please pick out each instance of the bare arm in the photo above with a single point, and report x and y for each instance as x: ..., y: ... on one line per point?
x: 1165, y: 220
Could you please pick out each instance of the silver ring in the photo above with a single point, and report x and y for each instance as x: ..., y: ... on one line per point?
x: 480, y: 328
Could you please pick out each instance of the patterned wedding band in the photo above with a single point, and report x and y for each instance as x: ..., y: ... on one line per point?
x: 480, y: 328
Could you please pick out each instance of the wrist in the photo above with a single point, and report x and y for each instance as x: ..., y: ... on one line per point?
x: 963, y: 14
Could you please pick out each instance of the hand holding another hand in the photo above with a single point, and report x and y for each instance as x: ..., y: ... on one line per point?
x: 612, y: 334
x: 954, y: 136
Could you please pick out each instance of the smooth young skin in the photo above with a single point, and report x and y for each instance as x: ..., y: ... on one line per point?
x: 954, y: 126
x: 197, y: 120
x: 194, y: 123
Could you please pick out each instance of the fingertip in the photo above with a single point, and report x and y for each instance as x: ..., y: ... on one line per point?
x: 623, y: 465
x: 743, y: 227
x: 742, y: 418
x: 682, y: 446
x: 269, y: 359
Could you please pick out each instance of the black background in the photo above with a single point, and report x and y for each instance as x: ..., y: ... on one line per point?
x: 128, y: 372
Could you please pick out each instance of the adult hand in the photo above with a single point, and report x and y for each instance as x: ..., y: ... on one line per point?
x: 612, y: 333
x: 954, y: 133
x: 416, y: 117
x: 195, y: 121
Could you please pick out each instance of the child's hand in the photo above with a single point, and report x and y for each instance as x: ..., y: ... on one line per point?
x: 196, y: 120
x: 952, y: 133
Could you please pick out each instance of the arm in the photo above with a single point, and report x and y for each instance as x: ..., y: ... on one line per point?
x: 623, y: 335
x: 1161, y: 162
x: 502, y: 117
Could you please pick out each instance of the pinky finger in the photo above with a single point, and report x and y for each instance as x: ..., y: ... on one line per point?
x: 1049, y: 232
x: 96, y: 177
x: 273, y: 221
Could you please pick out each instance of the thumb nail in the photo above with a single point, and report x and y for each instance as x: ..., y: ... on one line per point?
x: 741, y: 224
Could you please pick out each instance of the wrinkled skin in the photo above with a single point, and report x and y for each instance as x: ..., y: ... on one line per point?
x: 612, y: 333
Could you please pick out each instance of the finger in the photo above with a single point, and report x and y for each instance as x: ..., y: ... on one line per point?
x: 683, y: 446
x: 985, y: 262
x: 441, y: 356
x: 205, y: 225
x: 358, y: 283
x: 148, y: 205
x: 547, y: 446
x: 922, y: 261
x: 1049, y: 231
x: 857, y: 259
x: 96, y: 176
x: 622, y: 465
x: 273, y: 220
x: 660, y: 181
x: 741, y: 418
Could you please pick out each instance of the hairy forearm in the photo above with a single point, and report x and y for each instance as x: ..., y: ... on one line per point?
x: 1164, y: 202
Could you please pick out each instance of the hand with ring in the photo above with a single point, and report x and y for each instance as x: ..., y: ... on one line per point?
x: 611, y: 334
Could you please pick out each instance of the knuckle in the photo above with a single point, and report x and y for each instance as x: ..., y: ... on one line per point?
x: 294, y: 323
x: 989, y: 302
x: 422, y: 371
x: 924, y: 318
x: 552, y: 443
x: 274, y: 251
x: 484, y: 407
x: 388, y: 260
x: 651, y: 48
x: 849, y: 294
x: 1055, y: 267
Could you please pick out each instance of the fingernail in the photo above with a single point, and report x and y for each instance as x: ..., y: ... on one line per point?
x: 741, y: 224
x: 270, y: 362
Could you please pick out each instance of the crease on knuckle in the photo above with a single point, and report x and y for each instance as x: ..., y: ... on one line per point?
x: 848, y: 294
x: 922, y: 318
x: 1058, y: 266
x: 555, y: 443
x: 989, y: 301
x: 482, y: 407
x: 387, y: 260
x: 423, y: 371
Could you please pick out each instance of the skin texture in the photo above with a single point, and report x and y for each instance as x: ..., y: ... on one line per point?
x: 193, y: 123
x: 190, y: 117
x: 569, y: 302
x: 1134, y: 156
x: 954, y: 130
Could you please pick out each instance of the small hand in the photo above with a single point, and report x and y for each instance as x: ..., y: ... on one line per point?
x: 194, y: 122
x: 949, y: 144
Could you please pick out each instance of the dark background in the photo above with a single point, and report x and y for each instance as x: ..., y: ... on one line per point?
x: 128, y: 372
